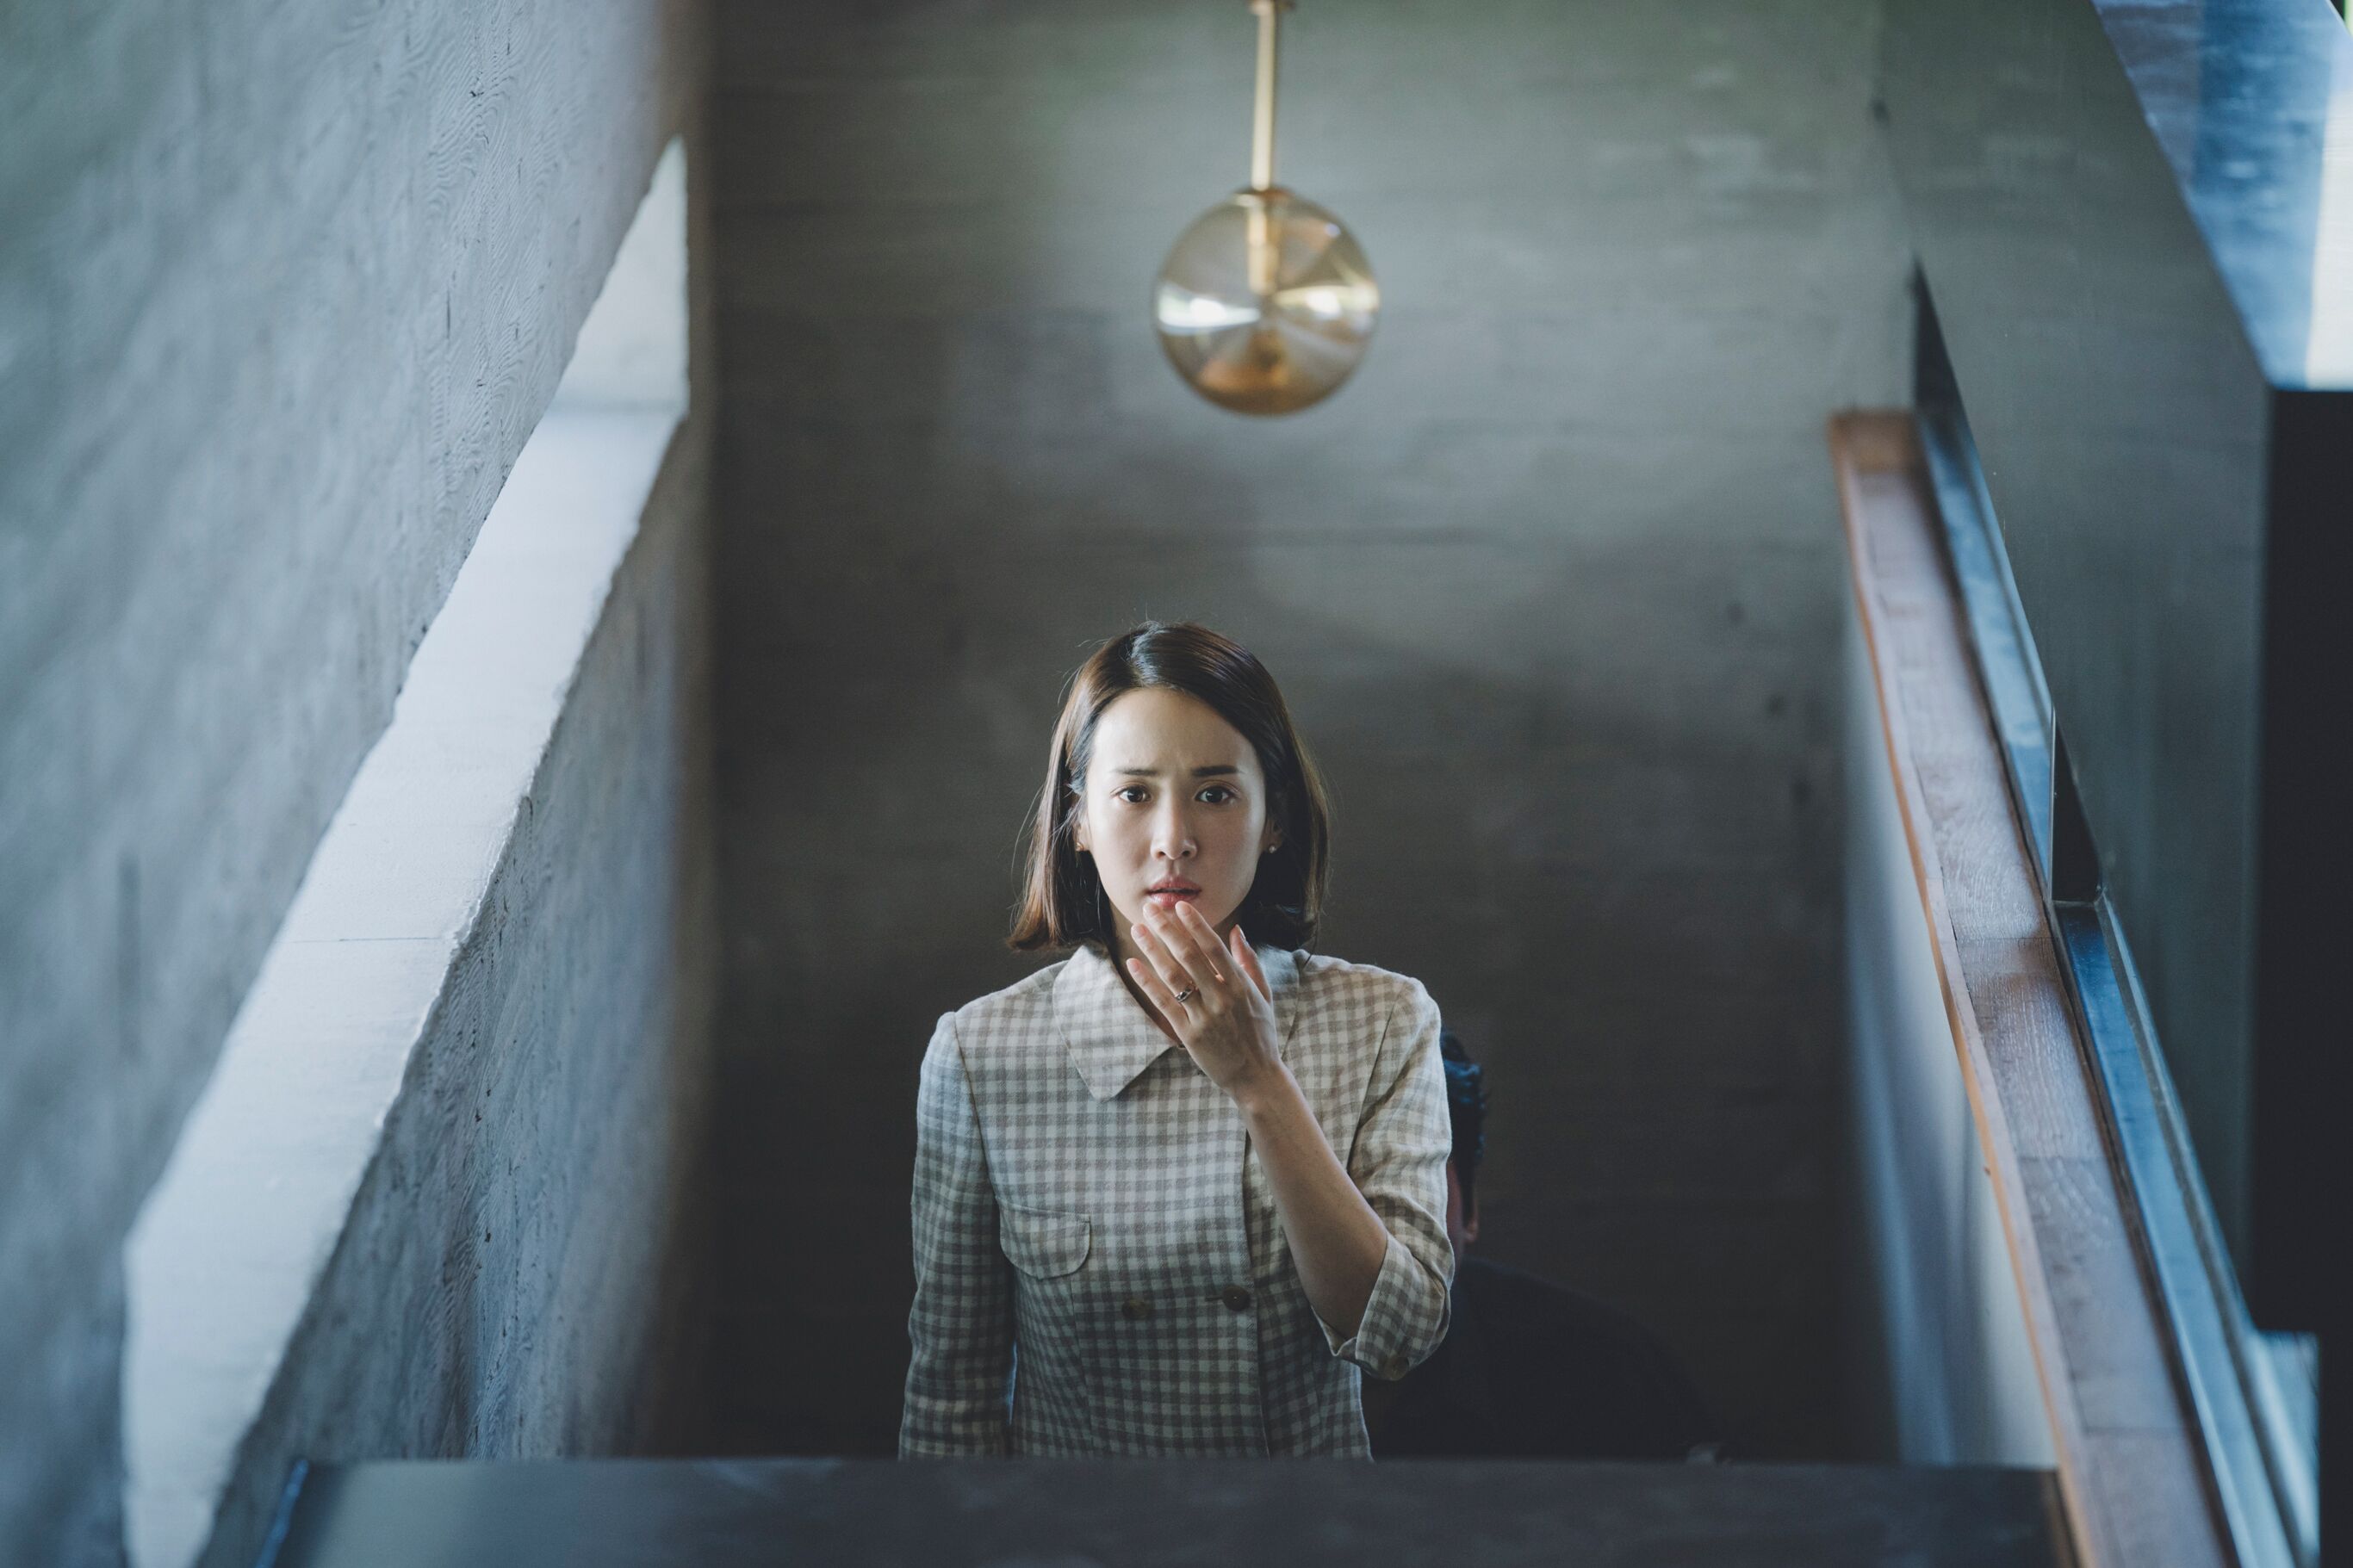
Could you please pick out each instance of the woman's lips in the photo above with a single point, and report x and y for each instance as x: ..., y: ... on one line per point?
x: 1169, y: 897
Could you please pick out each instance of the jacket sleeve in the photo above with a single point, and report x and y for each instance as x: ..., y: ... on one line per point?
x: 1398, y: 1163
x: 961, y: 1327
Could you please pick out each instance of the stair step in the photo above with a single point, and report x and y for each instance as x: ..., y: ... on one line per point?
x: 717, y: 1513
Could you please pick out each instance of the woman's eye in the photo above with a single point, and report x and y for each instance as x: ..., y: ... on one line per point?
x: 1131, y: 793
x: 1221, y: 792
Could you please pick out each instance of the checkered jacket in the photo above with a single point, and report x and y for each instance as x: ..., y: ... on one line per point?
x: 1100, y: 1269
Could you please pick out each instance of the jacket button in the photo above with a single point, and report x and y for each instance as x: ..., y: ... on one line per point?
x: 1235, y: 1298
x: 1135, y: 1308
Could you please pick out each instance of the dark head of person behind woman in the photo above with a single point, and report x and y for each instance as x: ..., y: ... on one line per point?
x: 1530, y: 1369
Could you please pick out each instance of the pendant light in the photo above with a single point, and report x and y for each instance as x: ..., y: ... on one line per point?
x: 1266, y: 303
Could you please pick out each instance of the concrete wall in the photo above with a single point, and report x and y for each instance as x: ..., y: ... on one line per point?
x: 282, y: 291
x: 523, y: 1270
x: 1554, y: 587
x: 1939, y: 1367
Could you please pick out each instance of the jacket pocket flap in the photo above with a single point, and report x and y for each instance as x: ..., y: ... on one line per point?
x: 1043, y: 1244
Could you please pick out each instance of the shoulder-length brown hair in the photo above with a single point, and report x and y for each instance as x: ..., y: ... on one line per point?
x: 1063, y: 901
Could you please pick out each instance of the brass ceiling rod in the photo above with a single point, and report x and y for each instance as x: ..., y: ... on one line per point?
x: 1270, y: 31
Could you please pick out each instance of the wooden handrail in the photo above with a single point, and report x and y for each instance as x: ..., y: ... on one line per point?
x: 2132, y: 1467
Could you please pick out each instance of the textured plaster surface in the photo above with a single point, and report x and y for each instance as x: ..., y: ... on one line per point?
x: 240, y: 1231
x: 282, y: 291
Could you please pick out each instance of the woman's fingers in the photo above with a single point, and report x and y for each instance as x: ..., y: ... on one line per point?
x: 1165, y: 959
x: 1246, y: 960
x: 1155, y: 988
x: 1207, y: 957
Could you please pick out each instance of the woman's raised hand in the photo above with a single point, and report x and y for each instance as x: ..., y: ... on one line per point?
x: 1227, y: 1022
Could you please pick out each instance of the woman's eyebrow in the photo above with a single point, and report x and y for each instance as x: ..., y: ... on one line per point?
x: 1215, y: 770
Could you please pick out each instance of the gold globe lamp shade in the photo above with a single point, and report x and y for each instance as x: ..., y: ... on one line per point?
x: 1266, y: 304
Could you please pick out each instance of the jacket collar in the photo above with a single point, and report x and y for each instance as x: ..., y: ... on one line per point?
x: 1110, y: 1036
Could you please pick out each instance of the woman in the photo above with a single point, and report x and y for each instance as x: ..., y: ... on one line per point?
x: 1180, y: 1190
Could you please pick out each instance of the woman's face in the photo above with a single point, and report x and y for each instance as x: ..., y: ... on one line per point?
x: 1174, y: 810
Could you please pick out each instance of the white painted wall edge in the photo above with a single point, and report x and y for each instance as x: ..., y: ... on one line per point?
x: 237, y: 1232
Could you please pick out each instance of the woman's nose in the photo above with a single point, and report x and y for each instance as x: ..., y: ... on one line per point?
x: 1171, y: 838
